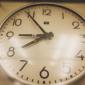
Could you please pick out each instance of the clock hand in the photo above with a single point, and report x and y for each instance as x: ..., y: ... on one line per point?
x: 33, y: 42
x: 49, y: 35
x: 31, y: 35
x: 43, y: 36
x: 37, y: 24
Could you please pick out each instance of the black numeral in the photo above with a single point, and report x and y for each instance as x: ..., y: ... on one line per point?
x: 10, y: 34
x: 76, y: 25
x: 62, y: 15
x: 46, y: 12
x: 11, y: 52
x: 80, y: 55
x: 44, y: 73
x: 32, y: 14
x: 17, y: 22
x: 25, y: 62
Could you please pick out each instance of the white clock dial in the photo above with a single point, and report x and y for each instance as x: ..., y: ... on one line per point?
x: 43, y: 44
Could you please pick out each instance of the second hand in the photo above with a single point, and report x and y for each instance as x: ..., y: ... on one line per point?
x: 37, y: 23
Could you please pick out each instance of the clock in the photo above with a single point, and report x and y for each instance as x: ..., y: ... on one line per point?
x: 43, y: 44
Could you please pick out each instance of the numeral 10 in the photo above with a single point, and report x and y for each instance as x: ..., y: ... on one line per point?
x: 17, y: 22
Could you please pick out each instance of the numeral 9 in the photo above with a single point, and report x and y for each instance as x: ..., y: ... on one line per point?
x: 10, y: 34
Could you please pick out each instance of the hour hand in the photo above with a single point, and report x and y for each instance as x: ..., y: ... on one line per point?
x: 46, y: 36
x: 31, y: 35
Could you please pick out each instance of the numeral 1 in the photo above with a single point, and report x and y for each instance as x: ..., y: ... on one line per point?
x: 62, y: 15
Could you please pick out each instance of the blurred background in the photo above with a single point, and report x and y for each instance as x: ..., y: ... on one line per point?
x: 8, y: 7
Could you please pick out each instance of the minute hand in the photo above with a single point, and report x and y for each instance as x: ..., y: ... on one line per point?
x: 33, y: 42
x: 37, y: 24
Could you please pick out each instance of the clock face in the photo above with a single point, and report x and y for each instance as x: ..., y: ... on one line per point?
x: 43, y: 44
